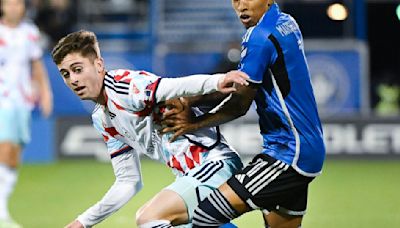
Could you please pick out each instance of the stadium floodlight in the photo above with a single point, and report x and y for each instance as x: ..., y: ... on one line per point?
x: 398, y: 11
x: 337, y: 12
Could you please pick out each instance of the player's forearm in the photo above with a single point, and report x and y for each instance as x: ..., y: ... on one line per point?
x: 229, y: 109
x: 40, y: 77
x: 118, y: 195
x: 187, y: 86
x: 128, y: 183
x: 208, y: 100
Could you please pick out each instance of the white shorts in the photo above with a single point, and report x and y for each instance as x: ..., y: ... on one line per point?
x: 15, y: 126
x: 199, y: 182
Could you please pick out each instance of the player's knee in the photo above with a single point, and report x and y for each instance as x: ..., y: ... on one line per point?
x: 9, y: 154
x: 156, y: 224
x: 214, y: 211
x: 143, y: 216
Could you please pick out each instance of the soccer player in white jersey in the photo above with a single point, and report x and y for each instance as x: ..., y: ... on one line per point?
x: 125, y: 115
x: 21, y: 69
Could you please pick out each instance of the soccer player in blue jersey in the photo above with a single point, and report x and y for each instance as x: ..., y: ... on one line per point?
x: 276, y: 180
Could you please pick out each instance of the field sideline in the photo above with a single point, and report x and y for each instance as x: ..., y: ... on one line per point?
x: 350, y: 194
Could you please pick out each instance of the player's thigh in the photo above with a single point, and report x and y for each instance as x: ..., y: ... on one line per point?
x: 277, y: 220
x: 15, y: 126
x: 14, y: 133
x: 200, y: 181
x: 166, y: 205
x: 271, y: 185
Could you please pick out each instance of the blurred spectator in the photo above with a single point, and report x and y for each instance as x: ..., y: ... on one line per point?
x: 56, y: 18
x: 23, y: 80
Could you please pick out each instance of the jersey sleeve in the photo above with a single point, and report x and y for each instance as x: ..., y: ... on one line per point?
x: 35, y: 48
x: 257, y: 54
x: 128, y: 180
x: 142, y: 91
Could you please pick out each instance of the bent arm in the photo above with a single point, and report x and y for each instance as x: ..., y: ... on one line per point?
x: 40, y: 79
x: 128, y: 182
x: 230, y: 108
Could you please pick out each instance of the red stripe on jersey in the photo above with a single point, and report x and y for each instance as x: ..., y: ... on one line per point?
x: 105, y: 137
x: 135, y: 89
x: 189, y: 162
x: 196, y: 150
x: 119, y: 107
x: 33, y: 37
x: 123, y: 77
x: 2, y: 42
x: 175, y: 164
x: 144, y: 73
x: 112, y: 131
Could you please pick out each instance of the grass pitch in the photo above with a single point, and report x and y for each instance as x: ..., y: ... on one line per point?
x: 349, y: 194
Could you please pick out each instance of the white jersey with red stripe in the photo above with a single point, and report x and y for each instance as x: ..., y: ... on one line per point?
x: 127, y: 124
x: 18, y: 47
x: 127, y: 121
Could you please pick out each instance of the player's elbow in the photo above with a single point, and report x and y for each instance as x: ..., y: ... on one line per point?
x: 241, y: 107
x: 134, y: 184
x: 242, y: 110
x: 137, y: 185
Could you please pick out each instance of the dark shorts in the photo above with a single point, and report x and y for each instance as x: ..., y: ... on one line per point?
x: 272, y: 185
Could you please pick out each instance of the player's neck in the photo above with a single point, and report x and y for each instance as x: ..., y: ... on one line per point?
x: 10, y: 22
x: 102, y: 98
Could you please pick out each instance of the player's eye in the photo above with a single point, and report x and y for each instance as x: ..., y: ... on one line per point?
x: 77, y: 70
x: 64, y: 74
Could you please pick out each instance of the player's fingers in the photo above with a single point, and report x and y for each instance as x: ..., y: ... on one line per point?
x: 169, y: 113
x: 170, y: 129
x: 168, y: 122
x: 176, y: 135
x: 228, y: 90
x: 241, y: 78
x: 243, y: 75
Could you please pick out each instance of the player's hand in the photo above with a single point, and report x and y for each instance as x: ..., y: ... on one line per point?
x: 74, y: 224
x: 46, y: 103
x: 226, y: 82
x: 178, y: 119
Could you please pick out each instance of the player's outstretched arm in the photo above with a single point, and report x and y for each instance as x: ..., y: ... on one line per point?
x: 193, y: 85
x: 128, y: 182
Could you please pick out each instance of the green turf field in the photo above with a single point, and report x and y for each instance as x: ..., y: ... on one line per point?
x: 359, y: 194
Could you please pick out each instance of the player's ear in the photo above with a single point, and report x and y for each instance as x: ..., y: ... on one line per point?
x: 99, y: 64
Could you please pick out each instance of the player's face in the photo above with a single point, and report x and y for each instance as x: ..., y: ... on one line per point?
x: 250, y: 11
x: 13, y: 10
x: 83, y: 75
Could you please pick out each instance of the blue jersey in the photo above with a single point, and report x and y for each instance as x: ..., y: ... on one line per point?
x: 273, y: 56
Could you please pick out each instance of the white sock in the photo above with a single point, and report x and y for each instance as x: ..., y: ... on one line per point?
x: 8, y: 177
x: 156, y: 223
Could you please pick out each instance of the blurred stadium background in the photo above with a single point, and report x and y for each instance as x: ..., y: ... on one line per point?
x: 353, y: 53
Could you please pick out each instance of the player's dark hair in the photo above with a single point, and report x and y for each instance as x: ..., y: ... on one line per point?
x: 82, y: 42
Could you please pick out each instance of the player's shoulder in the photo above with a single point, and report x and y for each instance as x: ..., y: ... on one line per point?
x: 29, y: 26
x: 286, y: 25
x: 126, y: 76
x: 258, y: 35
